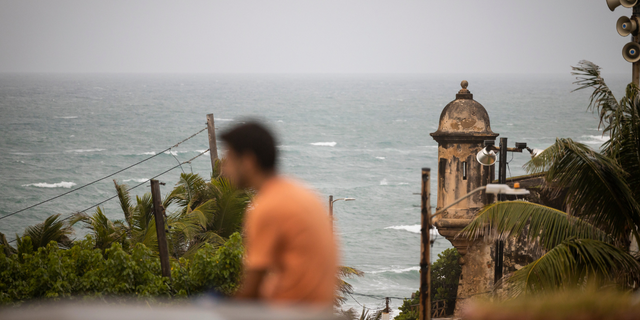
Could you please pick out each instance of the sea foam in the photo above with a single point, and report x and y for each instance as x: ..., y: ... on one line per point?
x: 325, y: 144
x: 85, y: 150
x: 594, y: 139
x: 396, y: 270
x: 61, y: 184
x: 414, y: 229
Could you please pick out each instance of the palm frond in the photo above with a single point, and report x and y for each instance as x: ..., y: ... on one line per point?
x: 348, y: 272
x: 502, y: 220
x: 602, y: 99
x: 51, y: 229
x: 7, y: 248
x: 104, y: 231
x: 575, y: 262
x: 125, y: 200
x: 595, y: 185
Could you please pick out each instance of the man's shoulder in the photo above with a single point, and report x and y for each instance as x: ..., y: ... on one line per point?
x: 281, y: 192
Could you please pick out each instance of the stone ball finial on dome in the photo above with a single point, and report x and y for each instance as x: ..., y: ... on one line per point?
x: 464, y: 84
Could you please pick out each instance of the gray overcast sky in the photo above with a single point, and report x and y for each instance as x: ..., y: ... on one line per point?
x: 345, y: 36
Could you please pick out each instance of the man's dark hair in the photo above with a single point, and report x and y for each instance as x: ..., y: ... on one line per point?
x: 254, y: 138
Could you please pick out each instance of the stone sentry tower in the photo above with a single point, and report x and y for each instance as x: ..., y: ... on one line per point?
x: 464, y: 125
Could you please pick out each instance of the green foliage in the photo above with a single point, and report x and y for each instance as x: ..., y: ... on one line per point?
x: 532, y: 220
x: 572, y: 262
x: 219, y: 269
x: 119, y: 257
x: 409, y: 309
x: 445, y: 276
x: 83, y: 271
x: 51, y: 229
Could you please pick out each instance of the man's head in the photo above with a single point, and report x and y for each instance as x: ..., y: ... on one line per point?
x: 251, y: 154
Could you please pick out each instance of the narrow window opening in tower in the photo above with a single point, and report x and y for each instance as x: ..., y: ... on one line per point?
x: 464, y: 170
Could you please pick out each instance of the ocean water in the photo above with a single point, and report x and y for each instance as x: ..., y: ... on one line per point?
x: 360, y: 136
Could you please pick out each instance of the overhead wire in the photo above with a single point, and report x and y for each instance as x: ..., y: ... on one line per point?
x: 100, y: 179
x: 129, y: 189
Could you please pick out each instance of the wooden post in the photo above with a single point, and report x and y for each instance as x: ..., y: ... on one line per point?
x: 158, y: 212
x: 425, y: 250
x: 213, y: 147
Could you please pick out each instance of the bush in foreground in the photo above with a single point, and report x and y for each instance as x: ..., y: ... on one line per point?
x: 82, y: 271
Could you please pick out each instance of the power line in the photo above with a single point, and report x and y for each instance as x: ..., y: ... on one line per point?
x: 376, y: 296
x: 90, y: 183
x: 360, y: 304
x: 129, y: 189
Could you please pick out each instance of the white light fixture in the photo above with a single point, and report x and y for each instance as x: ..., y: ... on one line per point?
x: 495, y: 188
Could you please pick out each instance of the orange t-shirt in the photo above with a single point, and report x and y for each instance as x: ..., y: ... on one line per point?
x: 288, y: 233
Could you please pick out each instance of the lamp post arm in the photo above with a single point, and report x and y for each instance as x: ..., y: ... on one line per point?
x: 474, y: 191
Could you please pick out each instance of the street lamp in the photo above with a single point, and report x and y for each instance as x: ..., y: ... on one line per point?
x: 331, y: 201
x: 425, y: 261
x: 487, y: 157
x: 493, y: 188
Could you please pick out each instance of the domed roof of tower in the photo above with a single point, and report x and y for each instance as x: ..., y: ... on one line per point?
x: 464, y: 118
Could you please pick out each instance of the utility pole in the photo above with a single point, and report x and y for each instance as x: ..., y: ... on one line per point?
x: 502, y: 179
x: 213, y: 147
x: 385, y: 312
x: 635, y: 74
x: 158, y: 212
x: 425, y: 247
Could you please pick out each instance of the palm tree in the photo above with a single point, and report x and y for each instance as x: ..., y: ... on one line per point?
x: 52, y: 229
x: 344, y: 288
x: 104, y: 231
x: 591, y: 243
x: 209, y: 211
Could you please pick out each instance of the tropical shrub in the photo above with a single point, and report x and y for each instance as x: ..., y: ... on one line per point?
x: 445, y: 276
x: 84, y: 271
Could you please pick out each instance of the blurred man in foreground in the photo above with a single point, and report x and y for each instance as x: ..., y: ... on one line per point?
x: 291, y: 255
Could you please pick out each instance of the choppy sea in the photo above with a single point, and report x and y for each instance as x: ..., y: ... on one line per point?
x: 360, y: 136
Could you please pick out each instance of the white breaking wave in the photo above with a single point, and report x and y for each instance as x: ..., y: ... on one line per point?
x: 85, y: 150
x: 384, y: 182
x: 414, y: 229
x: 175, y: 153
x: 135, y: 180
x: 325, y: 144
x: 147, y: 153
x: 201, y: 151
x: 594, y: 139
x: 381, y: 158
x: 67, y: 117
x: 61, y: 184
x: 401, y: 270
x: 220, y: 119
